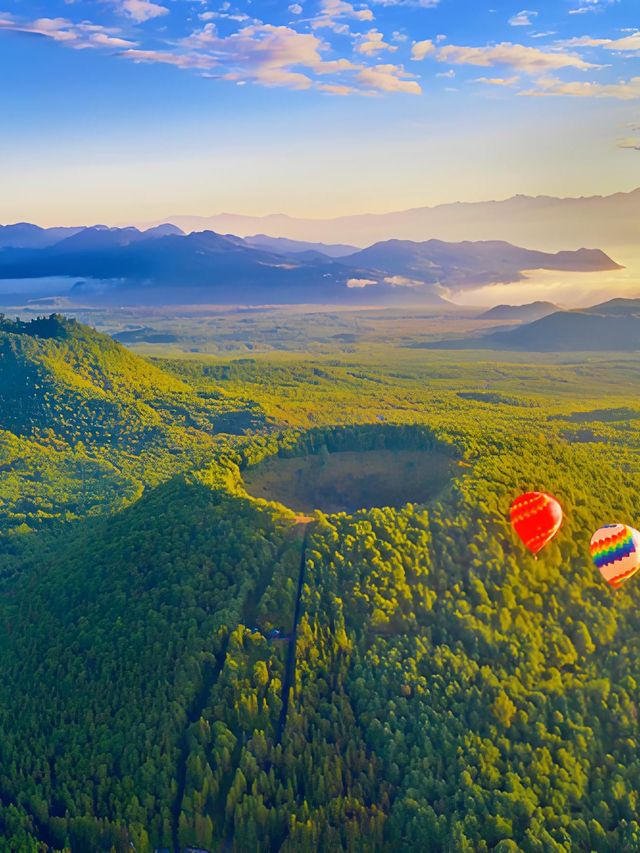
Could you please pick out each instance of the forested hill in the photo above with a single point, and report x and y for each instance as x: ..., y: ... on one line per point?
x: 85, y: 424
x: 613, y: 326
x: 70, y: 355
x: 108, y: 649
x: 449, y: 692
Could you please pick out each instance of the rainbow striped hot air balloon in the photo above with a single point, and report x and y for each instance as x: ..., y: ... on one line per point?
x: 615, y: 549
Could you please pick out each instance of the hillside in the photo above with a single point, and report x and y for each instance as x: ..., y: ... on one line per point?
x: 131, y: 623
x: 616, y: 307
x: 445, y: 684
x: 612, y: 326
x: 575, y: 331
x: 84, y: 423
x: 520, y: 313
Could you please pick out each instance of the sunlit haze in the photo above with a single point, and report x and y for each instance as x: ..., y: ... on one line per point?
x: 132, y: 111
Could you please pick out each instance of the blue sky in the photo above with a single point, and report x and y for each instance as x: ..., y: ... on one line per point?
x: 130, y: 110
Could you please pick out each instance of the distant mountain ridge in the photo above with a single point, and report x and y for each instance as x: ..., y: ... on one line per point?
x: 164, y: 266
x: 549, y: 223
x: 522, y: 313
x: 612, y: 326
x: 467, y: 263
x: 201, y: 267
x: 286, y: 247
x: 24, y: 235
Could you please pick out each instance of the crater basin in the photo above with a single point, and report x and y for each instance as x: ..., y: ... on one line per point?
x: 346, y: 481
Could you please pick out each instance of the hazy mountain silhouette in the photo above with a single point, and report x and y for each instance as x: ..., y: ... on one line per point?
x: 468, y: 264
x: 202, y: 267
x: 522, y: 313
x: 160, y: 266
x: 543, y: 221
x: 284, y: 246
x: 24, y: 235
x: 612, y: 326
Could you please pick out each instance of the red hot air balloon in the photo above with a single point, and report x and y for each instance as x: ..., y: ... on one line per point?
x: 536, y: 517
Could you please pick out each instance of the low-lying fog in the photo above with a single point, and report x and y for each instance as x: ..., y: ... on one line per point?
x: 570, y: 290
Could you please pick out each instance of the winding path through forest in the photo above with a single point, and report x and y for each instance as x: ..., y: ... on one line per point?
x: 211, y: 675
x: 198, y: 704
x: 290, y: 671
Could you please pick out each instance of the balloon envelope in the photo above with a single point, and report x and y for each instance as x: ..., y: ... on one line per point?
x: 615, y: 549
x: 536, y: 517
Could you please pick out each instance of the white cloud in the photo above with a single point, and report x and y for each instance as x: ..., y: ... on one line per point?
x: 624, y: 90
x: 360, y: 282
x: 372, y: 43
x: 498, y: 81
x: 523, y: 19
x: 334, y: 11
x: 591, y: 6
x: 420, y: 4
x: 239, y: 17
x: 262, y: 53
x: 79, y: 36
x: 585, y: 41
x: 141, y: 10
x: 388, y: 78
x: 254, y: 53
x: 448, y: 74
x: 627, y: 44
x: 632, y: 143
x: 420, y: 49
x: 403, y: 281
x: 336, y: 89
x: 137, y: 55
x: 102, y: 39
x: 277, y: 56
x: 529, y: 60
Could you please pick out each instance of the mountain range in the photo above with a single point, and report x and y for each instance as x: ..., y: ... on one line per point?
x: 549, y: 223
x: 162, y: 265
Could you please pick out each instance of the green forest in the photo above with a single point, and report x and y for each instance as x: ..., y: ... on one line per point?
x: 185, y: 665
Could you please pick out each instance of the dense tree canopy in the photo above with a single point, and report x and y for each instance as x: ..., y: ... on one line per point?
x: 449, y: 692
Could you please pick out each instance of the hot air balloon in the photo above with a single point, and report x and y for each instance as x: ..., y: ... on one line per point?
x: 615, y: 549
x: 536, y: 518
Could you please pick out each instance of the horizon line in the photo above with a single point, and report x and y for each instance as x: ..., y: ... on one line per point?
x: 150, y: 223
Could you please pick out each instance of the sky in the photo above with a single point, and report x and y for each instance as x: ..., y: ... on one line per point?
x: 128, y: 111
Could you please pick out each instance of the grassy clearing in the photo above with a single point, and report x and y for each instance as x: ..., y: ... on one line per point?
x: 351, y: 480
